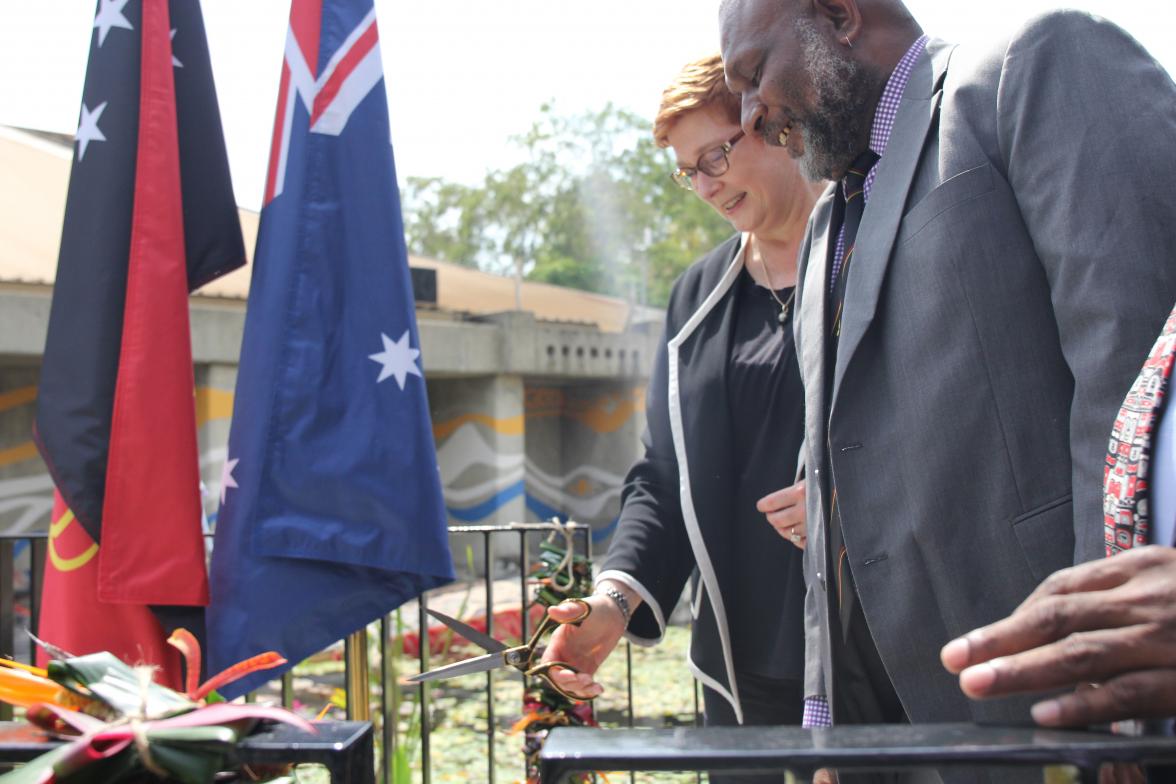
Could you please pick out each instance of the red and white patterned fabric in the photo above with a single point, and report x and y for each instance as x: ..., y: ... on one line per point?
x: 1126, y: 483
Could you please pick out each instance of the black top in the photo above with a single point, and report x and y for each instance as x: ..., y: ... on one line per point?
x: 767, y: 427
x: 676, y: 507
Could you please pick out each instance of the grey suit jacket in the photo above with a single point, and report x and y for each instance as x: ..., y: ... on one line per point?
x: 1014, y: 263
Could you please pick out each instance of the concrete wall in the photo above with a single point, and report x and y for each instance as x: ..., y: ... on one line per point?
x: 26, y: 492
x: 531, y: 419
x: 508, y: 451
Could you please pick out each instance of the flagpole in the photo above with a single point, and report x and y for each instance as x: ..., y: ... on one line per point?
x: 355, y: 652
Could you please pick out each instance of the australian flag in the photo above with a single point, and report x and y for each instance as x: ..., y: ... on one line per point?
x: 331, y: 512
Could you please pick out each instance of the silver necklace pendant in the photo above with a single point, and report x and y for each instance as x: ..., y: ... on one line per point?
x: 783, y: 315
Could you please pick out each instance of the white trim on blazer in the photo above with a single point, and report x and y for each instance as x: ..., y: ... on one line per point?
x: 689, y: 516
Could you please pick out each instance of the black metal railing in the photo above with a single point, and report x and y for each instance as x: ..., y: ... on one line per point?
x: 487, y: 533
x: 13, y: 640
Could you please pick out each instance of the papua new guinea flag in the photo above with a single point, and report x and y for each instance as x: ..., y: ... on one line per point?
x: 149, y: 216
x: 331, y: 514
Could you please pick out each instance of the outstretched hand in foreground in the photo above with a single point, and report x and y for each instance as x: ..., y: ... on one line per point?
x: 1108, y: 623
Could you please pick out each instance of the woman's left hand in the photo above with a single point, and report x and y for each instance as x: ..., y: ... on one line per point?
x: 784, y: 510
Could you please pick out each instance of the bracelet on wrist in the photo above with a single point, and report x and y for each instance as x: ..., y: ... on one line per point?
x: 619, y: 599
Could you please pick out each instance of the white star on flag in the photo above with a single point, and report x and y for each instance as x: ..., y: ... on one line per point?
x: 110, y: 15
x: 398, y: 359
x: 227, y: 479
x: 175, y: 60
x: 88, y: 130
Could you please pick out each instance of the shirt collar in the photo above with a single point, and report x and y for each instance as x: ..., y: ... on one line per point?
x: 891, y: 97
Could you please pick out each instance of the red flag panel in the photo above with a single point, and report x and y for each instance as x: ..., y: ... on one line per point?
x: 152, y: 547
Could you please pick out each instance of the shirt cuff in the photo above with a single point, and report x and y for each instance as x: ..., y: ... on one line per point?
x: 816, y: 713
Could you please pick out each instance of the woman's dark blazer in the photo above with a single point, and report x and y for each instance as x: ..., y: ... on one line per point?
x: 676, y: 501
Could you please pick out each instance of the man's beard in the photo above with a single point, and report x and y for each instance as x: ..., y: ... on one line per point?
x: 841, y: 118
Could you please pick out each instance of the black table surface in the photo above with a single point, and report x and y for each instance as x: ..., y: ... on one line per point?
x: 866, y: 746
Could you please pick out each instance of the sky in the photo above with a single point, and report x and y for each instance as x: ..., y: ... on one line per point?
x: 462, y: 76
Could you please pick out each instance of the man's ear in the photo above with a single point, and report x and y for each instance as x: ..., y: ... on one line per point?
x: 841, y: 18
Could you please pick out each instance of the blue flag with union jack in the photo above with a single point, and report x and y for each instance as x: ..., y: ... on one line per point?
x: 331, y: 509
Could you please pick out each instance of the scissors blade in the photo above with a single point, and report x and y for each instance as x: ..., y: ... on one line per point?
x: 482, y: 663
x: 483, y: 641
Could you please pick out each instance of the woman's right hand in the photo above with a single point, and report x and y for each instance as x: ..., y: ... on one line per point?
x: 586, y: 646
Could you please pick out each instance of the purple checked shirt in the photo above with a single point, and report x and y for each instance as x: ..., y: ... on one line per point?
x: 880, y: 132
x: 816, y: 708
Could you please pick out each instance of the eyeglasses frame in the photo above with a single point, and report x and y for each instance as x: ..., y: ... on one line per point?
x: 683, y: 177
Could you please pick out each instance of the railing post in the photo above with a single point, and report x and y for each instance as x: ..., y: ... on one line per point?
x: 7, y: 610
x: 488, y: 557
x: 698, y: 723
x: 38, y: 551
x: 629, y: 690
x: 524, y: 605
x: 355, y: 653
x: 423, y: 694
x: 389, y: 705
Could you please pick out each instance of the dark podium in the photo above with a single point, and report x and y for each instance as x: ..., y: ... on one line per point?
x: 343, y: 747
x: 801, y: 751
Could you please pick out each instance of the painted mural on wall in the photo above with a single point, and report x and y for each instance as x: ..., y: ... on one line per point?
x: 565, y: 454
x: 26, y: 490
x: 581, y: 441
x: 506, y: 450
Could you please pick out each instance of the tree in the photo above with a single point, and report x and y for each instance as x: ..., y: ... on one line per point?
x: 592, y: 206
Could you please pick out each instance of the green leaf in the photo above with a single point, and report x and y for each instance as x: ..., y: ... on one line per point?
x: 190, y: 765
x: 118, y: 685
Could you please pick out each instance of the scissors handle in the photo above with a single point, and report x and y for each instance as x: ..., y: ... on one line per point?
x: 525, y: 654
x: 548, y: 622
x: 544, y: 671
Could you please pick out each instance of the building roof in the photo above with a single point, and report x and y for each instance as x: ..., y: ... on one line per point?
x: 32, y: 205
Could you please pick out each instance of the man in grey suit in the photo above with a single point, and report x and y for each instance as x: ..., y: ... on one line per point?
x: 965, y: 339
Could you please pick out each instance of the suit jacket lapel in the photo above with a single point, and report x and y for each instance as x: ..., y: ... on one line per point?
x: 880, y: 222
x: 810, y: 324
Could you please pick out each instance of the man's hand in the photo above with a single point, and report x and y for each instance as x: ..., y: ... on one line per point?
x: 1110, y: 622
x: 586, y: 646
x: 784, y: 510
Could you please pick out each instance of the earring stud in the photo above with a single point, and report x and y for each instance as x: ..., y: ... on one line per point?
x: 847, y: 42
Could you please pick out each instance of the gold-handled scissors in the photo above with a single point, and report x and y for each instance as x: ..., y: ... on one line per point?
x: 520, y: 657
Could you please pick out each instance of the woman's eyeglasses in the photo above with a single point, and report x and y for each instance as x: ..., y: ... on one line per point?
x: 713, y: 163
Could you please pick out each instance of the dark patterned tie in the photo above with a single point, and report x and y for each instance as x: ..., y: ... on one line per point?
x: 853, y: 198
x: 852, y: 203
x: 1127, y: 475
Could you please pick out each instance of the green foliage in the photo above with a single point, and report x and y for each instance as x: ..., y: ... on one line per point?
x: 592, y: 207
x: 132, y: 726
x: 122, y: 690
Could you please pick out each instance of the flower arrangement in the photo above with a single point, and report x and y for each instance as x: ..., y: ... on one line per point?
x: 123, y: 727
